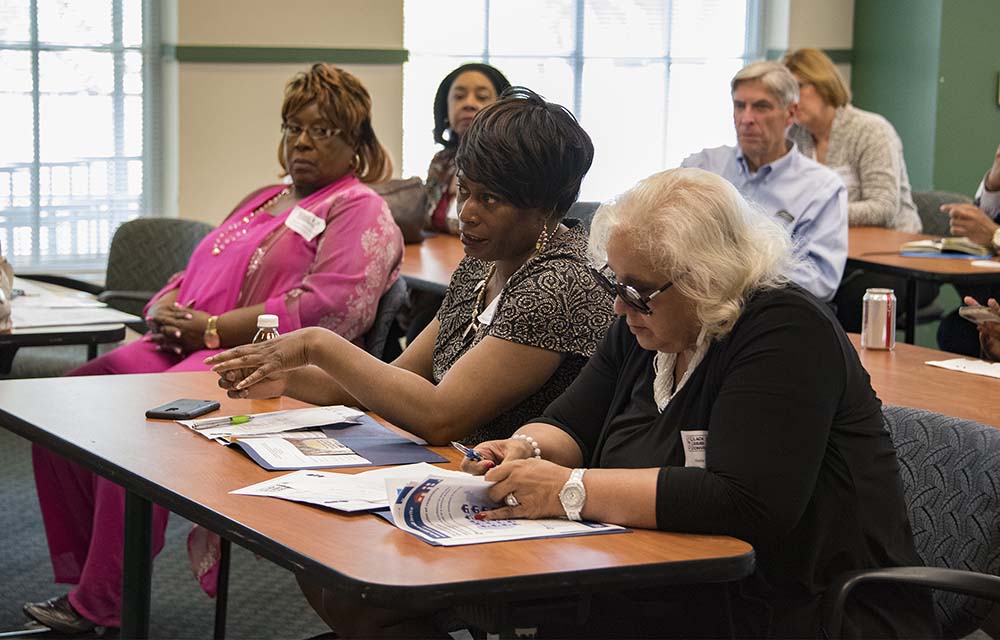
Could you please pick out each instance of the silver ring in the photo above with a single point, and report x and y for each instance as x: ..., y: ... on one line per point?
x: 511, y: 500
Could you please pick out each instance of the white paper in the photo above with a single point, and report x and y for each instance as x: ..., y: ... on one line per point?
x: 52, y: 301
x: 442, y: 511
x: 343, y: 491
x: 986, y: 264
x: 27, y: 316
x: 276, y: 421
x: 977, y: 367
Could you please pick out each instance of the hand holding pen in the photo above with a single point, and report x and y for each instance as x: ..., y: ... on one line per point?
x: 471, y: 455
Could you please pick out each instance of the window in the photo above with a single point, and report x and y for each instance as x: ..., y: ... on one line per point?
x: 648, y: 79
x: 78, y: 119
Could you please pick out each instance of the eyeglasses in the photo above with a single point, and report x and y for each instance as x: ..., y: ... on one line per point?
x: 293, y: 131
x: 628, y: 294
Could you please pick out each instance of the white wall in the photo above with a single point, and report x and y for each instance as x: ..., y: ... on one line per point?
x: 221, y: 119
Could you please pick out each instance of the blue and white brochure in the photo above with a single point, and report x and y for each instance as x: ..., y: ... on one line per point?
x: 442, y: 510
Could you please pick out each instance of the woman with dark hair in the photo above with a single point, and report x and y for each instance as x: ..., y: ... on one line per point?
x: 521, y: 300
x: 460, y: 96
x: 319, y: 251
x: 519, y: 320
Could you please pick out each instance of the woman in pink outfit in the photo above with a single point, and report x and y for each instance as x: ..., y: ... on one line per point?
x: 320, y: 251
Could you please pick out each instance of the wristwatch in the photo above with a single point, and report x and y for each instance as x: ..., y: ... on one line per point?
x: 211, y: 333
x: 996, y: 241
x: 573, y: 495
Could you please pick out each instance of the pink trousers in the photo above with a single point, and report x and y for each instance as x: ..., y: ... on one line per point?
x: 84, y: 514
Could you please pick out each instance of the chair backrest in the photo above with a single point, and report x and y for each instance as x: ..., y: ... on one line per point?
x: 145, y: 252
x: 929, y: 204
x: 951, y: 482
x: 389, y: 306
x: 584, y: 212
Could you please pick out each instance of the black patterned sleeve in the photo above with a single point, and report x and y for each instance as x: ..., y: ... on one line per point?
x: 559, y: 308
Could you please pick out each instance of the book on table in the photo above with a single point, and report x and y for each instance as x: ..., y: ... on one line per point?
x: 958, y: 244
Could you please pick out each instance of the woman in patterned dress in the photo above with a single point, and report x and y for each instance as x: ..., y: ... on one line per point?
x: 521, y: 315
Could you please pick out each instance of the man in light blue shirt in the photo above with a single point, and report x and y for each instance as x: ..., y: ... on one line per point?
x: 805, y: 197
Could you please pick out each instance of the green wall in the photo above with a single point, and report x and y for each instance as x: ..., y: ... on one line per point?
x: 930, y: 67
x: 968, y: 119
x: 896, y: 49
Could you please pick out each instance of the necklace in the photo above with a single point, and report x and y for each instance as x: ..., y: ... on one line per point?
x: 233, y: 231
x: 474, y: 324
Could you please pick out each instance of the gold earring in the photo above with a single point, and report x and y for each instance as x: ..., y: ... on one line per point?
x: 542, y: 241
x: 355, y: 162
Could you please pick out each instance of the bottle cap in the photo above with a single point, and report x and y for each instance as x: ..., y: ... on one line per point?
x: 267, y: 321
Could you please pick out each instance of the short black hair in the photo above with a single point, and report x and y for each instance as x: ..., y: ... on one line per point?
x: 531, y: 153
x: 500, y: 84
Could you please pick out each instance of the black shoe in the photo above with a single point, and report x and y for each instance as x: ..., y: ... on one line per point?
x: 58, y: 614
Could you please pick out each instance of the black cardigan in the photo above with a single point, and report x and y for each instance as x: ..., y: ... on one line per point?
x: 798, y: 461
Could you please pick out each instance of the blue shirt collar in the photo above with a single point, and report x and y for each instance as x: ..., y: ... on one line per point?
x: 777, y: 165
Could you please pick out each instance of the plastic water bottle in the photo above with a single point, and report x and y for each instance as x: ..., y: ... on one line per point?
x: 267, y: 329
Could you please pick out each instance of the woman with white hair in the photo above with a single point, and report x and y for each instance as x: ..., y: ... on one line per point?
x: 723, y: 401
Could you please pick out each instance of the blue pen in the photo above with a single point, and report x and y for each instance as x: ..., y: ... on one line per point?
x: 469, y: 453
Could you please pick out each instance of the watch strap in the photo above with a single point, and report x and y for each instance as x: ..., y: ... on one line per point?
x: 211, y: 336
x: 575, y: 480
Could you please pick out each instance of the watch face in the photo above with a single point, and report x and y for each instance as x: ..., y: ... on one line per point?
x: 571, y: 497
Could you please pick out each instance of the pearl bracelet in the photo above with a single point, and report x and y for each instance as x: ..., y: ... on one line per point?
x: 531, y: 443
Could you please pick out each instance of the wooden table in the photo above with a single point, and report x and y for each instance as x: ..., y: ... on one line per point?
x: 98, y: 422
x: 901, y: 377
x: 429, y: 265
x: 877, y: 249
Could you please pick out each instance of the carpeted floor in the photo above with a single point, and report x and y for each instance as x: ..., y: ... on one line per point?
x: 264, y: 599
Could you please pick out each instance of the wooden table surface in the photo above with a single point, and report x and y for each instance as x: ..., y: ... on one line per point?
x: 99, y: 422
x: 430, y: 264
x: 901, y: 377
x: 877, y: 248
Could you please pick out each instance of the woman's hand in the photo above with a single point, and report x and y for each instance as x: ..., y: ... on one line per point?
x: 271, y: 387
x: 264, y: 361
x: 989, y: 332
x: 495, y: 452
x: 181, y: 329
x: 163, y: 303
x: 534, y: 483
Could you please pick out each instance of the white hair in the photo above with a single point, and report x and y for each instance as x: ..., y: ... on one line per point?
x: 697, y: 229
x: 775, y: 76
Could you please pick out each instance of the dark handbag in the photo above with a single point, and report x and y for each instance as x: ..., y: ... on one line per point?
x: 407, y: 200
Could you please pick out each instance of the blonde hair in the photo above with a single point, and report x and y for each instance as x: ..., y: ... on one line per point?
x: 342, y: 98
x: 816, y: 68
x: 695, y: 226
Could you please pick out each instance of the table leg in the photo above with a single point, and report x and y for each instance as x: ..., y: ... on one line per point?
x: 222, y: 589
x: 7, y: 359
x: 137, y: 566
x: 910, y: 333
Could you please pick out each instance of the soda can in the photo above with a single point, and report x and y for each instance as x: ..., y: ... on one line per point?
x: 878, y: 319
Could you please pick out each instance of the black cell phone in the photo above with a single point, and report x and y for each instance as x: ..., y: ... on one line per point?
x: 182, y: 409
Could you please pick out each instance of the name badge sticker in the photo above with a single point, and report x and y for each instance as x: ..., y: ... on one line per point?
x: 694, y: 448
x: 304, y: 223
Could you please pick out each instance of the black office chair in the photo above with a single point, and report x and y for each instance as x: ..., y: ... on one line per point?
x: 144, y: 253
x: 951, y: 482
x: 584, y: 212
x: 382, y: 340
x: 929, y: 204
